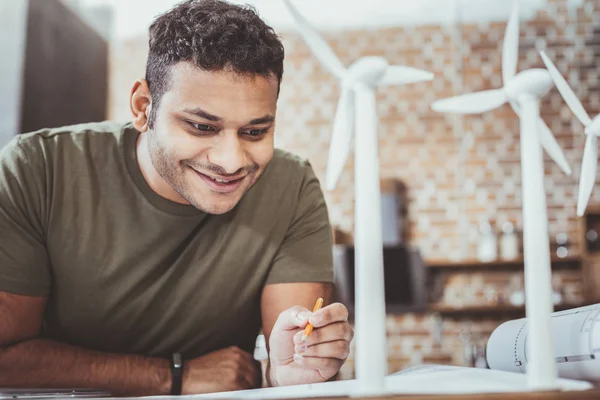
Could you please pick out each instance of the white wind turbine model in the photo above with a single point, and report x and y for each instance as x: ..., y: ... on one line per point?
x: 356, y: 114
x: 592, y: 131
x: 523, y: 92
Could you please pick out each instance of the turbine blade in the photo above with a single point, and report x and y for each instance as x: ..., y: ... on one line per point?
x: 548, y: 142
x: 341, y: 138
x: 510, y: 47
x: 319, y: 47
x: 400, y: 75
x: 589, y: 165
x: 551, y: 146
x: 566, y: 92
x: 473, y: 103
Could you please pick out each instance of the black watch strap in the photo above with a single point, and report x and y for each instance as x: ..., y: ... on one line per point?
x: 176, y: 374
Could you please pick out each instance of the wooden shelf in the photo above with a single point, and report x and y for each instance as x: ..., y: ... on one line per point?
x: 572, y: 261
x: 490, y: 309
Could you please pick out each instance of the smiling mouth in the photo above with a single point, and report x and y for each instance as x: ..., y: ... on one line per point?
x: 223, y: 180
x: 224, y: 185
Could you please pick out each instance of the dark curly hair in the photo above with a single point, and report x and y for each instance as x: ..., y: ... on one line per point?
x: 214, y: 35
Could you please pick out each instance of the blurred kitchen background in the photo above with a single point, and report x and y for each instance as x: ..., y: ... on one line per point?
x: 451, y: 184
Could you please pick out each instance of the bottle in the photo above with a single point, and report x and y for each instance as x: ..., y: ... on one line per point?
x: 480, y: 360
x: 562, y: 245
x: 466, y: 337
x: 436, y: 330
x: 487, y: 249
x: 517, y: 293
x: 592, y: 240
x: 509, y: 243
x: 557, y: 296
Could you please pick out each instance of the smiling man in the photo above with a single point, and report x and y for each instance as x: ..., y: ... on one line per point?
x: 144, y: 258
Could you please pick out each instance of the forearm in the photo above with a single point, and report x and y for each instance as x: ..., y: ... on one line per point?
x: 48, y: 364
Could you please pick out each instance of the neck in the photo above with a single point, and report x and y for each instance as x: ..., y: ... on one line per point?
x: 151, y: 175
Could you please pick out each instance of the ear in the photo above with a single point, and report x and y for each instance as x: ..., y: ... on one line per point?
x: 140, y: 103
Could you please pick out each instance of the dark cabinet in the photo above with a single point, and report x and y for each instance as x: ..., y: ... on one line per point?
x: 57, y: 68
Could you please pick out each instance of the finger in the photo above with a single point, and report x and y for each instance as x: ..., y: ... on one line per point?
x: 329, y: 333
x: 327, y: 367
x: 336, y: 312
x: 293, y: 318
x: 338, y: 349
x: 252, y: 374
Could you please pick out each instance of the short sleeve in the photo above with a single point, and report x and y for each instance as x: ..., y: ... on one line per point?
x: 24, y: 263
x: 306, y: 253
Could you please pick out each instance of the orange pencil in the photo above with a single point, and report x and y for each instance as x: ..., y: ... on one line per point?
x: 309, y: 328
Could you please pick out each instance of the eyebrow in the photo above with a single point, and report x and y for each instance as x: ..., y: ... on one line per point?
x: 203, y: 114
x: 262, y: 120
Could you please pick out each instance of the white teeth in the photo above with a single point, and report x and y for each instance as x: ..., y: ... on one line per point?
x: 219, y: 180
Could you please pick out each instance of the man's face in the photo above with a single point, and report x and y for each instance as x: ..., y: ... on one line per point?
x: 213, y: 135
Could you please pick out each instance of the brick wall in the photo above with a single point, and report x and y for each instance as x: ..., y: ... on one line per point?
x: 458, y: 171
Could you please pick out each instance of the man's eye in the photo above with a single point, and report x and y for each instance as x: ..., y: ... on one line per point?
x: 256, y: 132
x: 203, y: 127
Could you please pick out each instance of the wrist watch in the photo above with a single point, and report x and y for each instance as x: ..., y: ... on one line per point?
x: 176, y: 374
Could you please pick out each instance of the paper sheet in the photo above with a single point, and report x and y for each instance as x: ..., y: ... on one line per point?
x: 576, y: 344
x: 426, y: 379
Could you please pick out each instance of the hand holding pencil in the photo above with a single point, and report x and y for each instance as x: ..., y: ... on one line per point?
x: 309, y: 328
x: 309, y: 347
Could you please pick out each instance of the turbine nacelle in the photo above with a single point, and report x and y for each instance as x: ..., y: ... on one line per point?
x: 535, y: 82
x: 367, y: 70
x: 594, y: 127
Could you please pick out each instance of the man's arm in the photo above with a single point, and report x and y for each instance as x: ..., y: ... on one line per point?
x: 27, y: 361
x: 301, y: 272
x: 277, y: 298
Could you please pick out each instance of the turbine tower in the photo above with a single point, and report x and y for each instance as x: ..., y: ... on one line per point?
x: 356, y: 116
x: 523, y: 92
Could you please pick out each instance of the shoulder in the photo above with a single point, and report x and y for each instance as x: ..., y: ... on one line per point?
x: 288, y: 181
x: 286, y: 167
x: 69, y: 136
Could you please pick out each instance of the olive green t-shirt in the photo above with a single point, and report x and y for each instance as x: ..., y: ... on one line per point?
x: 126, y: 270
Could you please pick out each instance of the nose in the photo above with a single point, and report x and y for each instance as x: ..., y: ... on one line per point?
x: 228, y: 154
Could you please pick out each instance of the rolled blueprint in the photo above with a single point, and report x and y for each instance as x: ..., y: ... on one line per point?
x: 576, y: 344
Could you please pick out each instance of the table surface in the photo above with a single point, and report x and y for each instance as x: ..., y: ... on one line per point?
x: 581, y: 395
x: 574, y: 395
